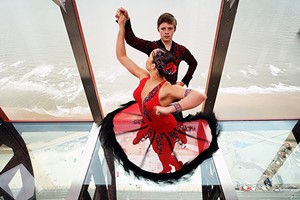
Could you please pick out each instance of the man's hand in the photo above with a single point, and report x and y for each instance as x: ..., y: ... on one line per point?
x: 122, y: 11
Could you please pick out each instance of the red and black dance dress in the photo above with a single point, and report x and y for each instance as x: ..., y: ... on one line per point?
x: 158, y: 147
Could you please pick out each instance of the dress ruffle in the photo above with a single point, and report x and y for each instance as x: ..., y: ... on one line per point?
x: 139, y: 149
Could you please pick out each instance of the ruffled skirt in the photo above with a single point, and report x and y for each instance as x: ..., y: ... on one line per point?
x: 154, y: 155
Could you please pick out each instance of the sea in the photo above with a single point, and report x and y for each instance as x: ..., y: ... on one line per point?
x: 38, y: 71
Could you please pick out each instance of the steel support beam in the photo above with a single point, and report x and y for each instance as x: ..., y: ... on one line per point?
x: 224, y: 28
x: 285, y: 150
x: 296, y: 132
x: 216, y: 181
x: 20, y: 162
x: 73, y: 25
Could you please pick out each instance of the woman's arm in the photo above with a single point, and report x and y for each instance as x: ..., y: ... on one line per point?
x: 121, y: 51
x: 188, y: 99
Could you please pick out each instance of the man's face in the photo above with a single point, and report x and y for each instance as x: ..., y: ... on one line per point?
x: 166, y: 31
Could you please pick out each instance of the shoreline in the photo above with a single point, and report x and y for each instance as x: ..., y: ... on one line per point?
x: 258, y: 106
x: 227, y: 107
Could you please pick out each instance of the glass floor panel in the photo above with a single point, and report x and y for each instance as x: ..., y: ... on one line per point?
x: 55, y: 150
x: 262, y: 158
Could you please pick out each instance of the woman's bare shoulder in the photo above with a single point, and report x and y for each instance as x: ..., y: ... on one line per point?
x: 143, y: 74
x: 169, y: 89
x: 173, y: 91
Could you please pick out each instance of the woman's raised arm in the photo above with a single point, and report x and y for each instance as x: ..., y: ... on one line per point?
x: 121, y: 51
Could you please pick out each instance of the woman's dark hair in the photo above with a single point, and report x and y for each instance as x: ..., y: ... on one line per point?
x: 164, y: 61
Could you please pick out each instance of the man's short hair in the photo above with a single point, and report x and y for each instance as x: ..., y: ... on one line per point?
x: 168, y: 18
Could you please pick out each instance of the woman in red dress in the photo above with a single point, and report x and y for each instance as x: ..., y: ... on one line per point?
x: 151, y: 117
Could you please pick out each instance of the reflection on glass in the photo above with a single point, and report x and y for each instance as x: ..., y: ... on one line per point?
x: 98, y: 177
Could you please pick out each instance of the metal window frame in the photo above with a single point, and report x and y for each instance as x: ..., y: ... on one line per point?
x: 225, y: 23
x: 75, y: 33
x: 74, y: 29
x: 228, y: 9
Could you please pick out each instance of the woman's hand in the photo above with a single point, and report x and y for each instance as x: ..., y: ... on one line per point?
x: 121, y: 16
x: 124, y: 12
x: 120, y: 19
x: 161, y: 110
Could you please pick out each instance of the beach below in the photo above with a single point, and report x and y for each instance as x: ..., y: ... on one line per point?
x: 265, y: 106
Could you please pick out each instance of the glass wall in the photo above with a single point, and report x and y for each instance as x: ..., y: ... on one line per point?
x: 260, y: 79
x: 39, y: 79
